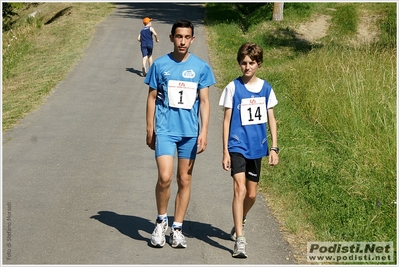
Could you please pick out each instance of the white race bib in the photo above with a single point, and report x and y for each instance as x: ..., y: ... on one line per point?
x: 253, y: 111
x: 182, y: 94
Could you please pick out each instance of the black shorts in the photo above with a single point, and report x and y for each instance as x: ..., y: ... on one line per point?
x: 251, y: 167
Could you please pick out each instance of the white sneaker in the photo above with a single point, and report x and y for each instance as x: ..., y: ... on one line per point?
x: 233, y: 230
x: 177, y: 239
x: 239, y: 248
x: 158, y: 235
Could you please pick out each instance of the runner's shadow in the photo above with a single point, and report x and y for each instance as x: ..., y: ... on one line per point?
x: 132, y: 225
x: 133, y: 70
x: 127, y: 225
x: 204, y: 232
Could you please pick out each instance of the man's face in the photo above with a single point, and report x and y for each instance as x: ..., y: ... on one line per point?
x: 249, y: 66
x: 182, y: 40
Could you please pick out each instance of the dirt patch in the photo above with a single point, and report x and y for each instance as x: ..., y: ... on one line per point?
x: 367, y: 30
x: 314, y: 29
x: 318, y: 26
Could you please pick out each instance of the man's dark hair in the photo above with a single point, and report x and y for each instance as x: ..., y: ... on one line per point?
x: 183, y: 23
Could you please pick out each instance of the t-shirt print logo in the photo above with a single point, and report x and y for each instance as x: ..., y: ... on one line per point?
x: 189, y: 74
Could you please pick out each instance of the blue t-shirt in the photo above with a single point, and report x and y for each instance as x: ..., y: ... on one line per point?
x: 177, y: 85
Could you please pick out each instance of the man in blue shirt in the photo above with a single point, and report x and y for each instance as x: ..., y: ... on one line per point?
x: 178, y: 94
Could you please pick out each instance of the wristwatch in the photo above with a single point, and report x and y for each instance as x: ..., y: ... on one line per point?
x: 275, y: 149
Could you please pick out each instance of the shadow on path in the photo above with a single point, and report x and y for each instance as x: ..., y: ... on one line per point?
x: 162, y: 12
x: 126, y: 224
x: 133, y: 70
x: 131, y: 225
x: 204, y: 232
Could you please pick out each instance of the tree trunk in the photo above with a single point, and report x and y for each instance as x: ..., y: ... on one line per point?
x: 278, y: 9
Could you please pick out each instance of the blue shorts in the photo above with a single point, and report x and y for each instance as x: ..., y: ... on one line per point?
x: 146, y: 50
x: 167, y: 145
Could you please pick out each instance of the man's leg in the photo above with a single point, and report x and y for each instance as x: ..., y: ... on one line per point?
x: 184, y: 176
x: 145, y: 61
x: 162, y: 195
x: 254, y: 167
x: 250, y: 197
x: 162, y: 188
x: 240, y: 192
x: 149, y: 56
x: 144, y: 69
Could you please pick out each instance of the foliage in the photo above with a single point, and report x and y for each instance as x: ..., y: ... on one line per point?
x: 8, y: 10
x: 8, y: 13
x: 244, y: 15
x: 388, y: 25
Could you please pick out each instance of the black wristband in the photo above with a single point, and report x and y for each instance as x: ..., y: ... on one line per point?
x: 275, y: 149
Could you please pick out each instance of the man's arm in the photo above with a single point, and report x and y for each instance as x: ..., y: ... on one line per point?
x: 273, y: 157
x: 150, y: 117
x: 155, y: 34
x: 205, y: 114
x: 225, y: 138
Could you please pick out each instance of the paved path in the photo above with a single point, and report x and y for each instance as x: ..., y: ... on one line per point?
x: 78, y: 178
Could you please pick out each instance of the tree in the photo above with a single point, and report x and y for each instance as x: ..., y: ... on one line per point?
x: 278, y: 9
x: 8, y: 13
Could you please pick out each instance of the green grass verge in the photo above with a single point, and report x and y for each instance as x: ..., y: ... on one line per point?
x: 336, y: 180
x: 39, y: 51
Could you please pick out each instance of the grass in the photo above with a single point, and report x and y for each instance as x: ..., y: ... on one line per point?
x: 353, y: 115
x: 336, y: 180
x: 38, y: 52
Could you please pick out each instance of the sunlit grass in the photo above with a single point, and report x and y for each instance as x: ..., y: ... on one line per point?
x: 36, y: 56
x: 336, y: 180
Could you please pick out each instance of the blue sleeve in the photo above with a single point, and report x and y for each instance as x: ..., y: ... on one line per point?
x: 207, y: 77
x: 151, y: 77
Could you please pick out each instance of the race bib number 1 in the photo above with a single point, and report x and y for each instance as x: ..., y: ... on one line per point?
x: 253, y: 111
x: 182, y: 94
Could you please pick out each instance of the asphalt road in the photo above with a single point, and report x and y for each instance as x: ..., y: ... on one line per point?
x: 78, y: 178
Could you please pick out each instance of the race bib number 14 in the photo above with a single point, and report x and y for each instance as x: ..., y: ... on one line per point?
x: 253, y: 111
x: 182, y: 94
